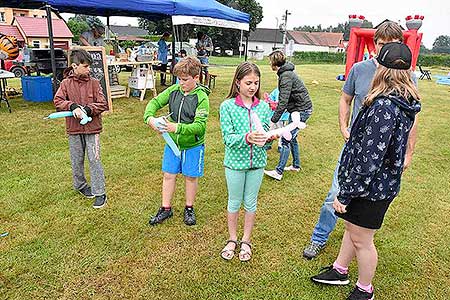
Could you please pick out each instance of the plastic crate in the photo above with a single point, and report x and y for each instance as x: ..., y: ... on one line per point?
x: 37, y: 88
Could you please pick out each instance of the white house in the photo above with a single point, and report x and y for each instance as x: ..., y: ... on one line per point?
x: 265, y: 39
x: 317, y: 41
x: 268, y: 39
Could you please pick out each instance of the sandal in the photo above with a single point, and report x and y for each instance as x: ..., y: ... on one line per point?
x: 245, y: 255
x: 226, y: 253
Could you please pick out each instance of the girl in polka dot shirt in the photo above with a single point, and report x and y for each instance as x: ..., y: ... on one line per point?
x: 245, y: 157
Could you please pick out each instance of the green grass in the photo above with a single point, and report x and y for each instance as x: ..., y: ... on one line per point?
x: 60, y: 248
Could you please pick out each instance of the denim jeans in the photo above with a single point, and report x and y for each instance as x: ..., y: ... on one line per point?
x: 327, y: 219
x: 204, y: 60
x: 291, y: 146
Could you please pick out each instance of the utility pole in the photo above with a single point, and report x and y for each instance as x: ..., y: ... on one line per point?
x: 276, y: 31
x: 284, y: 18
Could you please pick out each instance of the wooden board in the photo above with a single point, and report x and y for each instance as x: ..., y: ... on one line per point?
x: 99, y: 70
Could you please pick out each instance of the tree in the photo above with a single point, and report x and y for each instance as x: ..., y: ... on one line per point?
x: 424, y: 50
x: 77, y: 26
x: 226, y: 38
x: 253, y: 8
x: 441, y: 44
x: 155, y: 27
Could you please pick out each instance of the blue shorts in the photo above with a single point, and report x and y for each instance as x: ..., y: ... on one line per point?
x: 190, y: 164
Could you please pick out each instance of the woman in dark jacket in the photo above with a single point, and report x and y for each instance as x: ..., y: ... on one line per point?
x: 294, y: 98
x: 371, y: 167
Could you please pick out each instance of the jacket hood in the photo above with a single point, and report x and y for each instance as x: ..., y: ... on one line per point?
x: 411, y: 107
x: 201, y: 87
x: 69, y: 73
x: 288, y: 66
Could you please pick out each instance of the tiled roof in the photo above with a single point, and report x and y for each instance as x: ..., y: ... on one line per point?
x: 328, y: 39
x: 37, y: 27
x: 127, y: 30
x: 131, y: 38
x: 11, y: 30
x: 268, y: 35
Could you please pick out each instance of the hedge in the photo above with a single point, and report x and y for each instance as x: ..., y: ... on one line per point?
x: 430, y: 60
x: 319, y: 58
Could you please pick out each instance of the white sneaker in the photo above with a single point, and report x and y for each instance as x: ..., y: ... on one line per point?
x: 292, y: 168
x: 274, y: 174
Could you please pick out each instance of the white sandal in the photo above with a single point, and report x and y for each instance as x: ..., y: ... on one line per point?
x: 228, y: 254
x: 245, y: 255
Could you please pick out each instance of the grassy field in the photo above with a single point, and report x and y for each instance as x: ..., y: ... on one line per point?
x: 59, y: 247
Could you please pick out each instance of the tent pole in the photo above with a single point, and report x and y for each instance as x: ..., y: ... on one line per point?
x: 107, y: 28
x: 246, y: 47
x: 240, y: 45
x: 172, y: 63
x: 48, y: 9
x: 181, y: 37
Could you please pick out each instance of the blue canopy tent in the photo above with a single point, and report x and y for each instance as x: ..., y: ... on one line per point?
x: 150, y: 9
x: 199, y: 12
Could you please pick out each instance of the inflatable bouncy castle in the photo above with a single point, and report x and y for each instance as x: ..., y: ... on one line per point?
x: 362, y: 38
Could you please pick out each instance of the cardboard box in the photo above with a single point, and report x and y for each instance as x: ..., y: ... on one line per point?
x: 135, y: 82
x: 121, y: 57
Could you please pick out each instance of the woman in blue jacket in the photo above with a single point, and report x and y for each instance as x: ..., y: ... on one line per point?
x: 371, y: 167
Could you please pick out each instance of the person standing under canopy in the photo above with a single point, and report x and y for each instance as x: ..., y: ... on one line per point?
x: 93, y: 37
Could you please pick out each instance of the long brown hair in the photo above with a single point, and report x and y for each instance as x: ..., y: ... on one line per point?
x: 243, y: 70
x: 392, y: 81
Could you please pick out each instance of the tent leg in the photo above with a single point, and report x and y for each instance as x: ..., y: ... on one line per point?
x: 172, y: 64
x: 240, y: 45
x: 48, y: 9
x: 107, y: 28
x: 246, y: 46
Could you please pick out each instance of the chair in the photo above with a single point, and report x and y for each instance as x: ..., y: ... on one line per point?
x: 424, y: 73
x: 212, y: 80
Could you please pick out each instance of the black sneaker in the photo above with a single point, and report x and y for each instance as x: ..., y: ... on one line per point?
x: 87, y: 192
x: 160, y: 216
x: 359, y: 294
x: 189, y: 216
x: 312, y: 250
x: 331, y: 276
x: 100, y: 201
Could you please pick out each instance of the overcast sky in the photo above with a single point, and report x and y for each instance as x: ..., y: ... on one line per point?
x: 326, y: 13
x: 314, y: 12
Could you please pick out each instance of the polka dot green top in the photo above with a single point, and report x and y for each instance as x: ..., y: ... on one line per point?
x: 235, y: 123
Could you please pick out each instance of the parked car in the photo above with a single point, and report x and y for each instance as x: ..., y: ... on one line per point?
x: 16, y: 66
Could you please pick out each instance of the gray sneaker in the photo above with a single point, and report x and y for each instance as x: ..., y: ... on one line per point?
x: 312, y: 250
x: 87, y: 192
x: 100, y: 201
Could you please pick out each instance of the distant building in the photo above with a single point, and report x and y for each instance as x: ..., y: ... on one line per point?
x: 268, y: 39
x: 317, y: 41
x: 128, y: 33
x: 35, y: 32
x: 29, y: 26
x: 13, y: 31
x: 7, y: 14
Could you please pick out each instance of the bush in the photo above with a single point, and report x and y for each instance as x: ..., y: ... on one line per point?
x: 319, y: 58
x: 430, y: 60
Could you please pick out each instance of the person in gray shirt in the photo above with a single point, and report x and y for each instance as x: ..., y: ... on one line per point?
x: 93, y: 37
x: 354, y: 91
